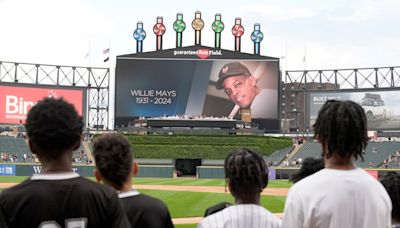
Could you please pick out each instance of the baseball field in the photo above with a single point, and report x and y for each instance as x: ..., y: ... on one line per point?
x: 188, y: 198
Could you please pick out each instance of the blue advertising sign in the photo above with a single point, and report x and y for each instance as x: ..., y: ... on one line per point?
x: 7, y: 170
x: 271, y: 174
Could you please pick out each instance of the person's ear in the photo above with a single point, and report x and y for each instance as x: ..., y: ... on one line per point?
x: 135, y: 168
x: 99, y: 177
x: 253, y: 80
x: 78, y: 144
x: 227, y: 183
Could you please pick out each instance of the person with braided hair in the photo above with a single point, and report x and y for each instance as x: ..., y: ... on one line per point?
x: 246, y: 175
x: 391, y: 181
x: 340, y: 195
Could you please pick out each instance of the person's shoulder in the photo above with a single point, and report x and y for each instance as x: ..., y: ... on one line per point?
x: 145, y: 201
x: 307, y: 185
x: 89, y: 185
x: 152, y: 201
x: 313, y: 178
x: 21, y: 188
x: 216, y: 208
x: 213, y: 219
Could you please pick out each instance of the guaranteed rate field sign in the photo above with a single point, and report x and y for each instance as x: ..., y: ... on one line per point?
x: 15, y: 102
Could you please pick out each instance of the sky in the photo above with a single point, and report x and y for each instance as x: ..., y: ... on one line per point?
x: 331, y: 34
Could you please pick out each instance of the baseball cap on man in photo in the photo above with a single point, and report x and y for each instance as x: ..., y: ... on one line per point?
x: 229, y: 70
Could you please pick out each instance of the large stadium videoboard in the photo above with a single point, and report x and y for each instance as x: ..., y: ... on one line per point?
x: 381, y: 107
x: 168, y: 87
x: 16, y: 101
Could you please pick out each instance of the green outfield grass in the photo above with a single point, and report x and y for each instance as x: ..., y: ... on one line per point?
x: 192, y: 204
x: 170, y: 181
x: 201, y: 182
x: 186, y: 226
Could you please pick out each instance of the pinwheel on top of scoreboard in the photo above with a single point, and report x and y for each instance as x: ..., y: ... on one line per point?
x: 237, y: 31
x: 139, y: 34
x: 257, y: 36
x: 179, y: 27
x: 218, y: 27
x: 159, y: 29
x: 197, y: 25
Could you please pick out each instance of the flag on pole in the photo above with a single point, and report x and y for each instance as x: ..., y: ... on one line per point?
x: 106, y: 51
x: 87, y: 55
x: 304, y: 59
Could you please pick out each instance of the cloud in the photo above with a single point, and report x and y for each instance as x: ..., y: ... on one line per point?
x: 276, y: 13
x: 46, y: 31
x: 367, y: 10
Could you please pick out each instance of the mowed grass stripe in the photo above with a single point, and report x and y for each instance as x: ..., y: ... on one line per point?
x: 201, y: 182
x: 168, y: 181
x: 193, y: 204
x: 185, y: 226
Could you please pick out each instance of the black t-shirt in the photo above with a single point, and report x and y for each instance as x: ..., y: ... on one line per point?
x: 64, y: 199
x: 145, y: 211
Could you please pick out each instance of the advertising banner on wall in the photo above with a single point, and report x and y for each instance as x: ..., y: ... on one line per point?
x: 7, y: 170
x: 15, y: 102
x: 381, y: 107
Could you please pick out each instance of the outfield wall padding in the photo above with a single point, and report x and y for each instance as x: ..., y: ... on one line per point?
x: 84, y: 170
x: 210, y: 172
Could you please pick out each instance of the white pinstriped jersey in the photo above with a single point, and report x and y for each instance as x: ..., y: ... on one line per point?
x: 241, y: 216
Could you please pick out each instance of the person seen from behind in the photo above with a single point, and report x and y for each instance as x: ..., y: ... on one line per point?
x: 246, y: 176
x: 58, y: 197
x: 115, y: 167
x: 391, y: 181
x: 341, y: 195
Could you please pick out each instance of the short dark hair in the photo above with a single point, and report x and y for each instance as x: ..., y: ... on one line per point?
x: 310, y: 166
x: 246, y: 172
x: 391, y: 181
x: 113, y: 157
x: 341, y: 127
x: 53, y: 126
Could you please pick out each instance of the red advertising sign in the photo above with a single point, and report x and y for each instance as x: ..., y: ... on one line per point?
x: 373, y: 173
x: 15, y: 102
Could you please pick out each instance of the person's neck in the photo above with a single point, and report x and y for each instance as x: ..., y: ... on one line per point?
x: 59, y: 165
x: 254, y: 199
x: 126, y: 187
x: 338, y: 162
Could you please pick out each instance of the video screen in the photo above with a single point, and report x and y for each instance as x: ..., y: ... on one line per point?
x: 381, y: 108
x: 16, y: 101
x: 212, y: 88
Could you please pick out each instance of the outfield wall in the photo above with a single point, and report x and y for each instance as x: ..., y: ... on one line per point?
x: 217, y: 172
x: 163, y: 171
